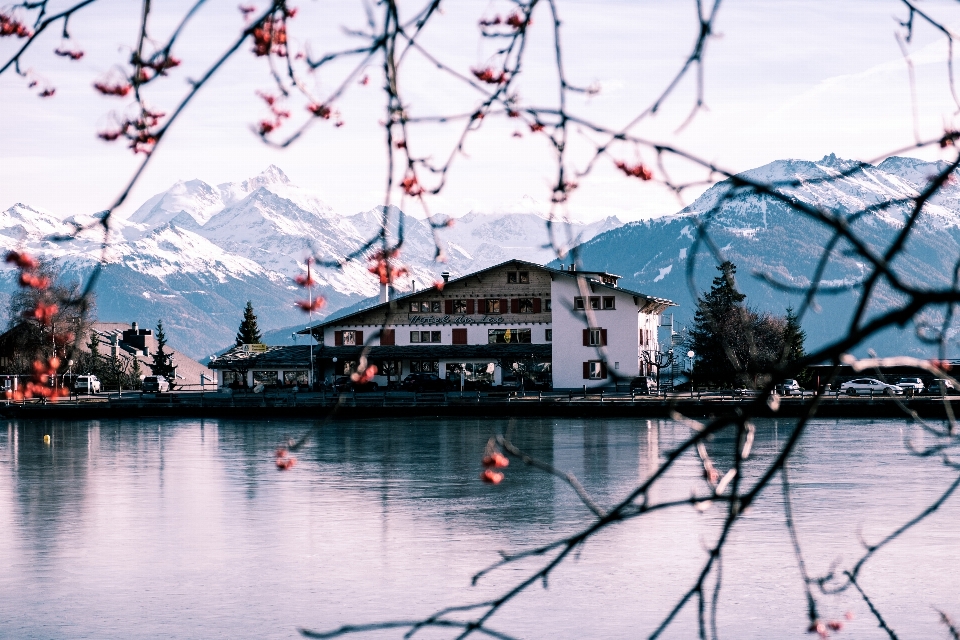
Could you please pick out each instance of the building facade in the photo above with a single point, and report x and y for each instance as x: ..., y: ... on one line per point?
x: 511, y: 323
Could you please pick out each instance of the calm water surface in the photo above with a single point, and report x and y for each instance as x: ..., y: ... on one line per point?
x: 185, y: 529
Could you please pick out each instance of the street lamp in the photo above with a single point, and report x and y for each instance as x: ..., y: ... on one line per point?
x: 691, y: 354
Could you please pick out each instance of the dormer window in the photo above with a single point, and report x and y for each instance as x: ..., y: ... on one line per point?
x: 518, y: 277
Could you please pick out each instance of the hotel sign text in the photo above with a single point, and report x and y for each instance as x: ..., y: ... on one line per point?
x: 455, y: 320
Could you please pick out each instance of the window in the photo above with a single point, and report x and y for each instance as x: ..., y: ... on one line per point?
x: 294, y: 378
x: 549, y: 337
x: 526, y: 305
x: 414, y: 336
x: 389, y: 368
x: 414, y: 307
x: 425, y: 306
x: 435, y: 306
x: 349, y: 338
x: 492, y: 306
x: 594, y: 370
x: 595, y: 303
x: 578, y: 304
x: 609, y: 302
x: 594, y: 337
x: 546, y: 305
x: 518, y: 277
x: 346, y: 367
x: 424, y: 366
x: 459, y: 306
x: 511, y: 277
x: 424, y: 336
x: 508, y: 336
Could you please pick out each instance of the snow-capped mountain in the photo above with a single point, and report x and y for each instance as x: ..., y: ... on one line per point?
x: 764, y: 236
x: 194, y: 254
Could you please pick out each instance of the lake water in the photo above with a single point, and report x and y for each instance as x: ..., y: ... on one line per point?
x: 186, y: 529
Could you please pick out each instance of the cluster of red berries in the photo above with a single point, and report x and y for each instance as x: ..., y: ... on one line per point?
x: 270, y: 36
x: 279, y: 114
x: 383, y: 267
x: 10, y: 26
x: 638, y: 170
x: 139, y: 130
x: 284, y: 461
x: 516, y: 20
x: 364, y: 375
x: 490, y: 76
x: 73, y: 54
x: 307, y: 282
x: 491, y: 461
x: 823, y: 629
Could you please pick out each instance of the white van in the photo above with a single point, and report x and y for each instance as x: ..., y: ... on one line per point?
x: 87, y: 384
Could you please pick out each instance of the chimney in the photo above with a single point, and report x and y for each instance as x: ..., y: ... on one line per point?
x: 446, y: 277
x: 134, y: 325
x: 413, y: 285
x: 384, y: 296
x: 573, y: 266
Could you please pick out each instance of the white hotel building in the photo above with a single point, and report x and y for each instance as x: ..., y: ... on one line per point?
x: 516, y: 315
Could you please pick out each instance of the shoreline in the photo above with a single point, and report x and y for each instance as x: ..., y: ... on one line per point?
x: 469, y: 404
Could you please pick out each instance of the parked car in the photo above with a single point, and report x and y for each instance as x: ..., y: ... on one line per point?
x: 911, y: 385
x: 155, y: 384
x: 425, y: 382
x: 345, y: 384
x: 789, y: 387
x: 644, y: 385
x: 866, y: 385
x: 87, y: 384
x: 943, y: 387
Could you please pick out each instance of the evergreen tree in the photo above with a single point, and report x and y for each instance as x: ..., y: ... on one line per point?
x: 249, y: 331
x: 95, y: 365
x: 135, y: 373
x: 162, y: 360
x: 721, y: 328
x: 793, y: 338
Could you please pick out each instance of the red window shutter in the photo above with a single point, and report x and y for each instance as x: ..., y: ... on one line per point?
x: 459, y: 336
x: 603, y: 370
x: 586, y: 337
x: 338, y: 338
x: 448, y: 306
x: 603, y: 339
x: 514, y: 305
x: 503, y: 305
x: 470, y: 307
x: 586, y: 370
x: 641, y: 337
x: 359, y: 338
x: 388, y: 337
x: 536, y: 305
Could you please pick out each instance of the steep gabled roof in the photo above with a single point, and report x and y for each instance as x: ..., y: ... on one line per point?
x: 662, y: 302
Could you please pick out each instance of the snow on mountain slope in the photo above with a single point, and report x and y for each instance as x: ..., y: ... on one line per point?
x: 764, y: 236
x: 195, y: 253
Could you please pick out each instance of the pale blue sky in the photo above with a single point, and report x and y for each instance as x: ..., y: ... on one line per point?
x: 783, y: 79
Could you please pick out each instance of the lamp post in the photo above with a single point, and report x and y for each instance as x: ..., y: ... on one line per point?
x: 691, y: 355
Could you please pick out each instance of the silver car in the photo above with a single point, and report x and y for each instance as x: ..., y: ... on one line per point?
x: 911, y: 385
x: 864, y: 386
x: 789, y: 387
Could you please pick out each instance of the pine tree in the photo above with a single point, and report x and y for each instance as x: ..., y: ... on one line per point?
x: 793, y: 338
x: 720, y: 329
x: 135, y: 373
x: 96, y: 360
x: 162, y: 360
x: 249, y: 332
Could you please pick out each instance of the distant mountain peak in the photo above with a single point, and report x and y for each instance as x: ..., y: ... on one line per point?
x: 272, y: 175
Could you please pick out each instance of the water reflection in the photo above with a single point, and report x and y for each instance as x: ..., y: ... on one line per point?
x: 186, y: 529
